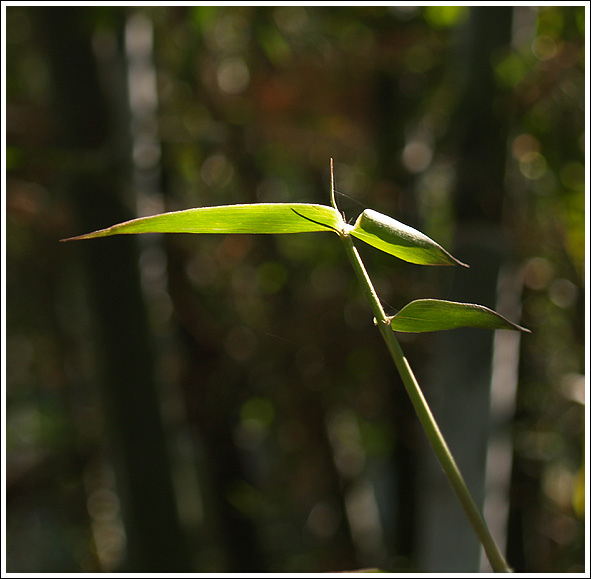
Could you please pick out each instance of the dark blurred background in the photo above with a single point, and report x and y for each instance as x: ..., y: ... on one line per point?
x: 224, y: 403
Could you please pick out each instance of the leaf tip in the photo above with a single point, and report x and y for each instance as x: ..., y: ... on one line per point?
x: 513, y: 327
x: 97, y: 233
x: 72, y: 238
x: 456, y: 261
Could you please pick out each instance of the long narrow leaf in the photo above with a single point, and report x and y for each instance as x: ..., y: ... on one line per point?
x: 432, y: 315
x: 400, y: 240
x: 251, y: 218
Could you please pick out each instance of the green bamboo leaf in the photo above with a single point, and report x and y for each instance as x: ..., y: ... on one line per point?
x: 400, y: 240
x: 432, y: 315
x: 250, y: 218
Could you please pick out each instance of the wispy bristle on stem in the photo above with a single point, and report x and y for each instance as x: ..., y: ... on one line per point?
x: 332, y: 197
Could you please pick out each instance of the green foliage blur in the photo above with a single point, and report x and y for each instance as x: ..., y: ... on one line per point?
x: 287, y: 428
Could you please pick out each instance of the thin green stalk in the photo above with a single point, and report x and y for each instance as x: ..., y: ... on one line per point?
x: 427, y: 419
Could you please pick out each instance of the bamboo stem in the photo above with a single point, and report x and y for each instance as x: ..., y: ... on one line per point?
x: 425, y: 415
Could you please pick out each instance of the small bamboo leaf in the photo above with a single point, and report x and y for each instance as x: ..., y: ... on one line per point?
x: 432, y: 315
x: 248, y: 218
x: 400, y: 240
